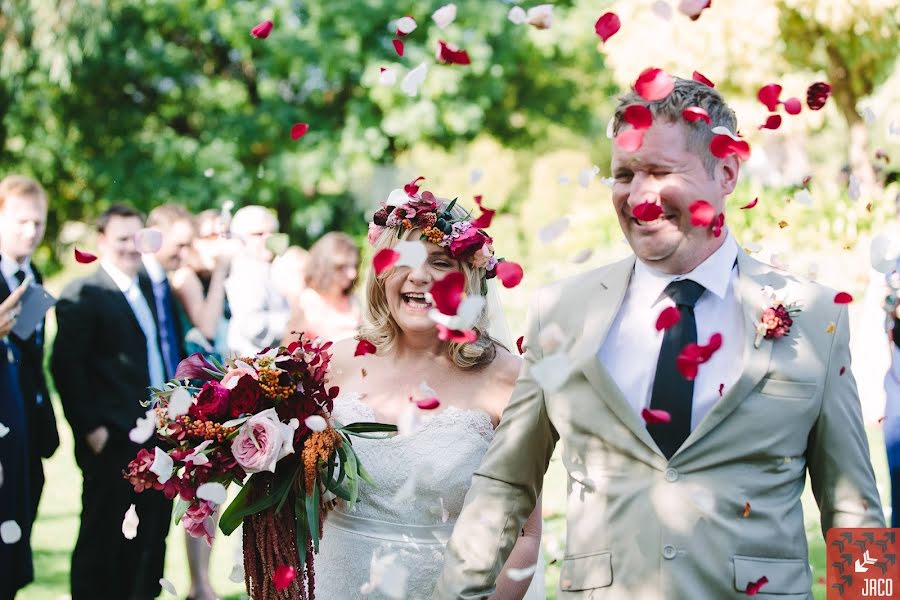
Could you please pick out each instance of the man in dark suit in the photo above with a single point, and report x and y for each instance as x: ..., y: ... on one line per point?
x: 23, y: 217
x: 106, y: 354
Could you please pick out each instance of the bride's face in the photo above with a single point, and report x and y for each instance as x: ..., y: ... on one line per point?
x: 405, y: 289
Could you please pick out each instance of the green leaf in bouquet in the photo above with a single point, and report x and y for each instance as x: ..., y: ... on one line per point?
x: 241, y: 506
x: 363, y: 473
x: 312, y: 515
x: 215, y: 374
x: 302, y: 529
x: 216, y: 363
x: 357, y: 428
x: 181, y: 507
x: 293, y: 479
x: 341, y: 491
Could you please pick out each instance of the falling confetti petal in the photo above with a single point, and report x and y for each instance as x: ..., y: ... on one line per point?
x: 162, y: 465
x: 447, y: 293
x: 585, y: 176
x: 475, y: 176
x: 553, y: 230
x: 772, y: 122
x: 213, y: 492
x: 4, y: 430
x: 853, y: 188
x: 517, y: 15
x: 842, y: 371
x: 299, y: 130
x: 647, y: 211
x: 630, y: 140
x: 817, y: 94
x: 662, y: 9
x: 792, y: 106
x: 444, y: 15
x: 551, y: 371
x: 412, y: 81
x: 519, y: 346
x: 693, y: 8
x: 843, y: 298
x: 802, y: 197
x: 655, y: 416
x: 179, y: 403
x: 582, y: 256
x: 364, y: 347
x: 769, y: 96
x: 521, y: 574
x: 262, y: 30
x: 654, y: 84
x: 168, y: 586
x: 694, y: 113
x: 607, y: 25
x: 509, y: 273
x: 84, y: 257
x: 283, y: 576
x: 427, y: 403
x: 387, y: 77
x: 316, y: 423
x: 130, y: 523
x: 412, y: 254
x: 540, y: 16
x: 144, y: 428
x: 701, y: 78
x: 148, y: 241
x: 449, y: 54
x: 751, y: 204
x: 702, y: 213
x: 384, y: 259
x: 638, y: 116
x: 406, y: 25
x: 753, y: 587
x: 667, y: 318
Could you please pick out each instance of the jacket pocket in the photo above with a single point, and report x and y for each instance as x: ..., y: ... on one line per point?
x: 586, y: 572
x: 785, y: 575
x: 787, y: 389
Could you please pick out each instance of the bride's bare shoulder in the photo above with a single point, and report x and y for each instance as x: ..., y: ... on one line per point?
x: 504, y: 369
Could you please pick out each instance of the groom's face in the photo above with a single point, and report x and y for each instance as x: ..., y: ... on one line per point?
x: 666, y: 172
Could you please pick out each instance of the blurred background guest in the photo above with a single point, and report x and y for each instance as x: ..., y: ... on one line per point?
x: 289, y: 274
x: 259, y: 313
x: 23, y: 219
x: 327, y: 307
x: 210, y: 260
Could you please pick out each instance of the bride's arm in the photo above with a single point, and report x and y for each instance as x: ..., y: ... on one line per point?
x: 524, y: 555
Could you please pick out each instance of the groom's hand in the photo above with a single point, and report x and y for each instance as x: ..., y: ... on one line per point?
x: 97, y: 439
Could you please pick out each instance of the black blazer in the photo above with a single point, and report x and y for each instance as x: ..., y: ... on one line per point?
x: 99, y: 361
x: 43, y: 435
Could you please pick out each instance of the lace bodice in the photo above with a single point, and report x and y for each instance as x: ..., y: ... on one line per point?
x: 421, y: 478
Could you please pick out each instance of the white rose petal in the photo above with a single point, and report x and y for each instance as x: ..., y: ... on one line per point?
x: 894, y: 128
x: 540, y: 16
x: 444, y: 15
x: 564, y: 180
x: 406, y: 25
x: 237, y: 573
x: 144, y: 428
x: 853, y: 188
x: 551, y: 338
x: 130, y: 523
x: 10, y: 532
x: 550, y: 232
x: 179, y: 403
x: 412, y: 81
x: 517, y: 15
x: 803, y: 197
x: 397, y: 197
x: 662, y: 9
x: 412, y: 254
x: 196, y: 456
x: 387, y: 77
x: 587, y: 175
x: 316, y: 423
x: 582, y: 256
x: 148, y: 241
x: 162, y: 465
x: 466, y: 315
x: 3, y: 430
x: 386, y: 576
x: 168, y: 586
x: 883, y: 253
x: 409, y: 422
x: 213, y: 492
x: 552, y: 371
x: 610, y: 128
x: 868, y: 115
x: 475, y: 176
x: 445, y: 514
x: 521, y: 574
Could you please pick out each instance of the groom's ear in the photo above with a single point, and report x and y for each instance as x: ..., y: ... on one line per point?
x: 727, y: 171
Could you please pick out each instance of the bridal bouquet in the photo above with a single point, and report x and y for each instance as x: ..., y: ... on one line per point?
x: 268, y: 417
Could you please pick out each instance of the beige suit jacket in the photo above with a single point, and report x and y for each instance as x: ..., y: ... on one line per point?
x: 640, y: 527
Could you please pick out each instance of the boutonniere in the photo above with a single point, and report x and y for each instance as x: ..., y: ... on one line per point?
x: 776, y: 319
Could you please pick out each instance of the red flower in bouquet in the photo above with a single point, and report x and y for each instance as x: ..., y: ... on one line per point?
x: 211, y: 403
x: 244, y: 398
x: 138, y: 472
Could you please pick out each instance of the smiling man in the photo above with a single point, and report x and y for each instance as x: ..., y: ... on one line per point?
x: 689, y: 423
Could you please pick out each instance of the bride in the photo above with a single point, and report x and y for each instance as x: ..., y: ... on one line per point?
x: 392, y: 544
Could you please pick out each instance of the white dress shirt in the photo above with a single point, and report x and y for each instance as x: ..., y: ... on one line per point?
x: 132, y: 291
x: 631, y: 348
x: 9, y: 268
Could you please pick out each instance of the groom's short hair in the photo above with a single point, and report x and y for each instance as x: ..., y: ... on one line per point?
x: 685, y: 94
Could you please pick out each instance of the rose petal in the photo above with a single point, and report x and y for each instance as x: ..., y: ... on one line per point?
x: 384, y: 259
x: 148, y: 241
x: 162, y: 466
x: 802, y: 197
x: 702, y: 213
x: 607, y: 25
x: 585, y: 176
x: 582, y: 256
x: 701, y: 78
x: 721, y: 387
x: 843, y: 298
x: 772, y: 122
x: 144, y: 428
x: 653, y: 416
x: 662, y: 9
x: 179, y: 403
x: 427, y: 403
x: 398, y: 46
x: 168, y: 586
x: 753, y: 587
x: 484, y: 219
x: 387, y: 76
x: 792, y: 106
x: 817, y: 94
x: 84, y: 257
x: 449, y: 54
x: 412, y: 254
x: 447, y: 292
x: 130, y: 523
x: 693, y: 355
x: 553, y: 230
x: 724, y: 145
x: 316, y: 423
x: 464, y: 336
x: 667, y: 318
x: 551, y: 371
x: 262, y: 30
x: 647, y: 211
x: 540, y: 16
x: 853, y: 188
x: 654, y: 84
x: 517, y: 15
x: 299, y: 130
x: 519, y: 344
x: 444, y: 15
x: 283, y: 577
x: 364, y: 347
x: 521, y: 574
x: 638, y: 116
x: 768, y: 95
x: 842, y: 371
x: 693, y: 8
x: 406, y: 25
x: 467, y: 313
x: 630, y: 140
x: 509, y: 273
x: 213, y: 492
x: 750, y: 205
x: 693, y: 113
x: 4, y: 430
x: 412, y: 81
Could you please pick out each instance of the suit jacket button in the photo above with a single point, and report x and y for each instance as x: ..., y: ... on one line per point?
x: 669, y: 551
x: 671, y: 475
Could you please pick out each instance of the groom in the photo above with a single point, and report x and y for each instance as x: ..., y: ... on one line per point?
x: 707, y: 503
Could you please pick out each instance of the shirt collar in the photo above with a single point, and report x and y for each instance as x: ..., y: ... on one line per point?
x: 714, y: 274
x: 154, y: 269
x: 9, y: 267
x: 123, y: 282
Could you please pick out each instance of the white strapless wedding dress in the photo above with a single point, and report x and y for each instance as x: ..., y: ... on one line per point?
x: 391, y: 546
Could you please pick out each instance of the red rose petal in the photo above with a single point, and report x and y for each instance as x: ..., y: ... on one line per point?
x: 638, y: 116
x: 630, y: 139
x: 702, y: 213
x: 654, y: 84
x: 450, y: 55
x: 843, y: 298
x: 364, y: 347
x: 693, y: 355
x: 430, y: 403
x: 509, y: 273
x: 398, y: 46
x: 701, y: 78
x: 646, y: 211
x: 724, y: 145
x: 792, y: 106
x: 607, y: 25
x: 84, y: 257
x: 768, y: 95
x: 718, y: 224
x: 772, y: 122
x: 721, y: 387
x: 262, y: 30
x: 459, y: 336
x: 412, y: 188
x: 753, y: 587
x: 654, y: 416
x: 447, y: 292
x: 751, y: 205
x: 299, y: 130
x: 384, y: 259
x: 667, y: 318
x: 283, y: 577
x: 842, y: 371
x: 693, y: 113
x: 519, y: 344
x: 816, y: 95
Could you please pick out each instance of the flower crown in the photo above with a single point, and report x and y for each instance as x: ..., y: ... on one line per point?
x: 461, y: 237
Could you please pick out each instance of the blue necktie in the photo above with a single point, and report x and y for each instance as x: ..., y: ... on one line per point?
x: 168, y: 335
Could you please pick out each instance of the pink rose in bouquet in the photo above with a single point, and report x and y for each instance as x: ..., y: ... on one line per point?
x: 262, y: 441
x: 211, y: 404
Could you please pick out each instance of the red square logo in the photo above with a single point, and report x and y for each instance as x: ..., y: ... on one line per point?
x: 863, y: 564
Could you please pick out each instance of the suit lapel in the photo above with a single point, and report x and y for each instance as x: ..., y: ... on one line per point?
x: 117, y: 298
x: 752, y: 277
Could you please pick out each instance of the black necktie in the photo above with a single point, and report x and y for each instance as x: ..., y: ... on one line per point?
x: 20, y: 276
x: 671, y: 391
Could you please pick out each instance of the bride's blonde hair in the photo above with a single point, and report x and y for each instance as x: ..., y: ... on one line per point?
x: 380, y: 328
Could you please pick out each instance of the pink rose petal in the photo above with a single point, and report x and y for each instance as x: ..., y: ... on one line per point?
x: 702, y: 213
x: 607, y: 25
x: 630, y: 140
x: 458, y: 336
x: 638, y: 116
x: 262, y: 30
x: 447, y: 293
x: 693, y: 8
x: 299, y: 130
x: 768, y: 95
x: 428, y: 403
x: 724, y: 145
x: 693, y: 113
x: 667, y: 318
x: 384, y: 259
x: 148, y: 241
x: 509, y: 273
x: 654, y: 84
x: 792, y: 106
x: 753, y: 587
x: 654, y: 416
x: 701, y: 78
x: 84, y: 257
x: 772, y: 122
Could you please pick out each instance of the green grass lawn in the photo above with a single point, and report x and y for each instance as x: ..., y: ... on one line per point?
x: 57, y: 526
